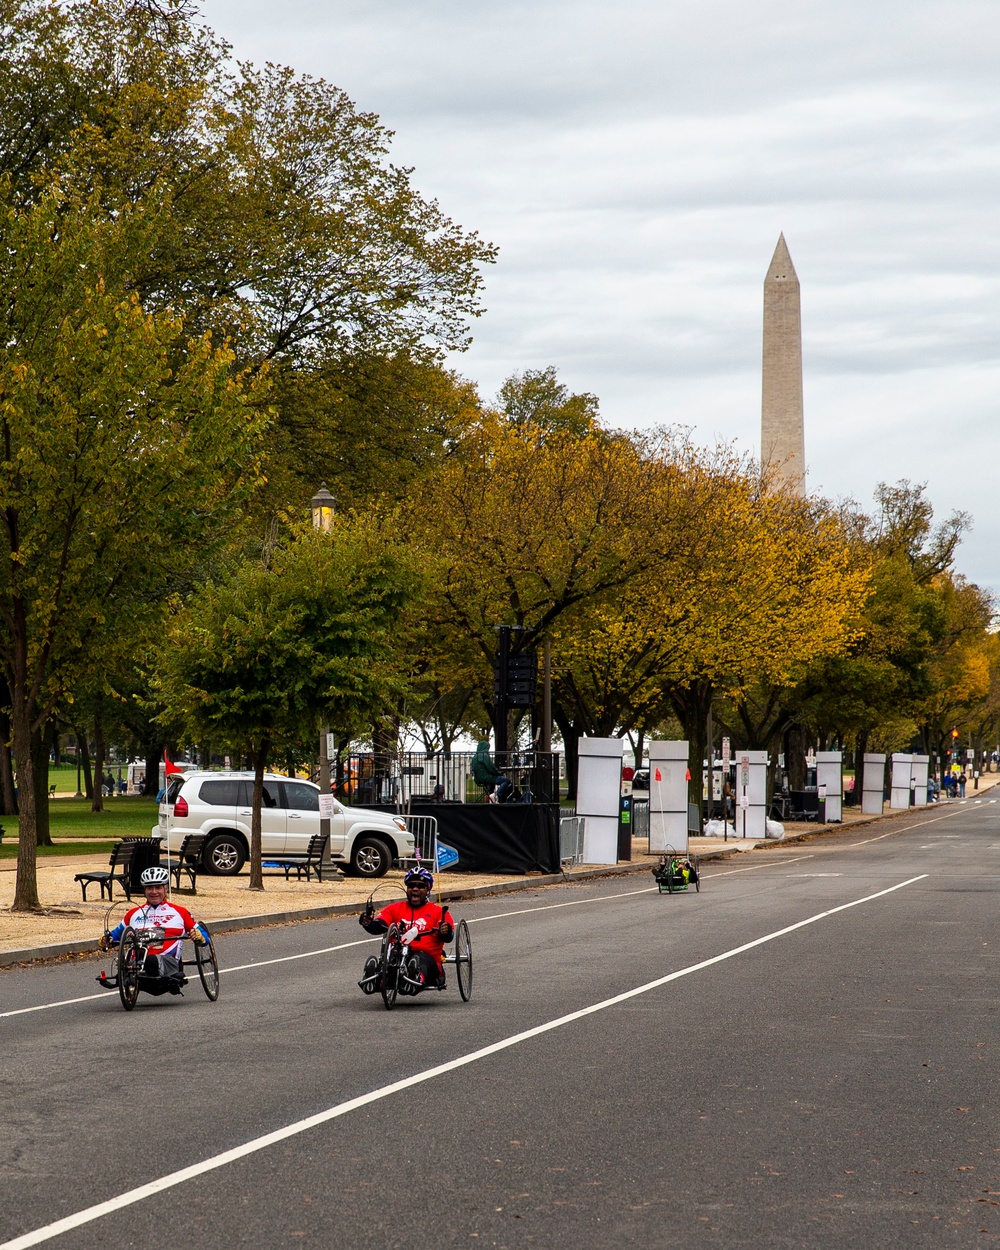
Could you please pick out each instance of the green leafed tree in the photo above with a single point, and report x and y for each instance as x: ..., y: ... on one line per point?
x: 123, y: 446
x: 259, y: 659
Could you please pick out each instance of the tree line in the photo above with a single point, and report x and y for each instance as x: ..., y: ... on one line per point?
x: 219, y: 290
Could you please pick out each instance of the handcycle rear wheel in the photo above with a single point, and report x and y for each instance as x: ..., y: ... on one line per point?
x: 463, y: 960
x: 130, y: 960
x: 390, y: 961
x: 208, y: 967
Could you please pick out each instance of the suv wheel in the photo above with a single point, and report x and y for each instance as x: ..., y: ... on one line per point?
x: 224, y: 855
x: 370, y: 858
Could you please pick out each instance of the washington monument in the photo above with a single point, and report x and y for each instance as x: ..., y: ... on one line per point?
x: 782, y: 442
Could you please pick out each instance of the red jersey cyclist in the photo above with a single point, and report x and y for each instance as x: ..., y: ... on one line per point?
x: 162, y: 971
x: 429, y: 924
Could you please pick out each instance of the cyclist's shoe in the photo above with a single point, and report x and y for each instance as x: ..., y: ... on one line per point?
x: 369, y: 977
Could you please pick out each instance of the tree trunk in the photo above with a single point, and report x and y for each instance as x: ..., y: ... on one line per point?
x: 97, y: 801
x: 859, y: 767
x: 83, y: 753
x: 256, y: 857
x: 795, y: 757
x: 8, y: 795
x: 570, y: 737
x: 40, y: 746
x: 26, y: 886
x: 691, y: 706
x: 152, y: 754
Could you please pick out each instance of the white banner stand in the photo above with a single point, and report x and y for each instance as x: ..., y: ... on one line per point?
x: 668, y: 797
x: 751, y: 794
x: 598, y: 795
x: 918, y: 779
x: 830, y: 773
x: 873, y: 794
x: 902, y: 768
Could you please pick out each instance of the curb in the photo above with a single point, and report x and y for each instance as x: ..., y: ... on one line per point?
x: 233, y: 924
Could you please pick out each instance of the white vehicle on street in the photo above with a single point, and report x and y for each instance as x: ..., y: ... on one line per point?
x: 364, y: 843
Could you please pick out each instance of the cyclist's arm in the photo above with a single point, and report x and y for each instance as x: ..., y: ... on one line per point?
x: 372, y: 923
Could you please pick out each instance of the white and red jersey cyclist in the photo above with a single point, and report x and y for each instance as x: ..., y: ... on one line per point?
x: 175, y: 922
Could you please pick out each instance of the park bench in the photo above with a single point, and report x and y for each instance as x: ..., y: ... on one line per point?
x: 312, y: 863
x: 119, y: 869
x: 188, y: 859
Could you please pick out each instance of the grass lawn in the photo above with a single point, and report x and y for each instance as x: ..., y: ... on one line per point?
x: 92, y: 846
x: 72, y: 818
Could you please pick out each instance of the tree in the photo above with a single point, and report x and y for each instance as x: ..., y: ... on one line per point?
x: 290, y: 231
x: 537, y: 398
x: 520, y: 526
x: 123, y: 446
x: 258, y: 660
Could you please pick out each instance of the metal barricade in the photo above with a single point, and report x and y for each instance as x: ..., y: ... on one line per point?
x: 640, y: 818
x: 425, y: 841
x: 571, y: 830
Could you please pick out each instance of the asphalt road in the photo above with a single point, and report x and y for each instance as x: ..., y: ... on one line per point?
x: 803, y: 1054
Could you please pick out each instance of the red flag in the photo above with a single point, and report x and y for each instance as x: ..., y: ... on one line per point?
x: 169, y: 768
x: 657, y: 776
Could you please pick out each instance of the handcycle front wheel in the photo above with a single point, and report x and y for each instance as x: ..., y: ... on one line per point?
x: 130, y: 960
x: 208, y: 966
x: 463, y: 960
x: 389, y: 962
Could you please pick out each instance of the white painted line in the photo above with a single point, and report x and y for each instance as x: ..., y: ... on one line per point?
x: 328, y: 950
x: 813, y: 874
x: 63, y: 1002
x: 901, y: 829
x: 172, y: 1179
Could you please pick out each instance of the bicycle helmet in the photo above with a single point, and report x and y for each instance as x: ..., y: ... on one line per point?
x: 154, y: 876
x: 419, y: 876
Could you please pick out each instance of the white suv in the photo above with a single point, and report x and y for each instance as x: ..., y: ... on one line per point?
x: 364, y: 843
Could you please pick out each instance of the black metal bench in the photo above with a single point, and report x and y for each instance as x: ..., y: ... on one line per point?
x: 311, y: 863
x: 187, y: 859
x: 119, y: 869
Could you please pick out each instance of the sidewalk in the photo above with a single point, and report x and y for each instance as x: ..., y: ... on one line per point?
x: 69, y: 926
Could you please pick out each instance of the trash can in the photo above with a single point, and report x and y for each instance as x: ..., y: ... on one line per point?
x: 145, y: 854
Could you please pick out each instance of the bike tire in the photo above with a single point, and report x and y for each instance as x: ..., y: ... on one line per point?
x: 390, y: 961
x: 463, y: 960
x: 130, y: 960
x: 208, y: 967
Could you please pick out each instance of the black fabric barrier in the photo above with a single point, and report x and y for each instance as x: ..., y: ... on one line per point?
x: 497, y: 837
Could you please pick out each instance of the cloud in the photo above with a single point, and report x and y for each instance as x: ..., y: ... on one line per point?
x: 635, y: 163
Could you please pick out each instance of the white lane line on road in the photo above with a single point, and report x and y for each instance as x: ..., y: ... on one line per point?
x: 62, y: 1002
x: 67, y: 1002
x: 329, y: 950
x: 172, y: 1179
x: 903, y: 829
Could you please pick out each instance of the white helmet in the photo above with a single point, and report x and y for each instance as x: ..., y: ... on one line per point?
x: 154, y: 876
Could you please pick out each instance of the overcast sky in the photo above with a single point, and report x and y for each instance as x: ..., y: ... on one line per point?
x: 635, y: 163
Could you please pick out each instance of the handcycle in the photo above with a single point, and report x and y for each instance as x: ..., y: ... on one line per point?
x: 391, y: 977
x: 129, y: 958
x: 675, y: 872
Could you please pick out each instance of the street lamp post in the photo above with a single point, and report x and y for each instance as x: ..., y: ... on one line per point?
x: 322, y: 505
